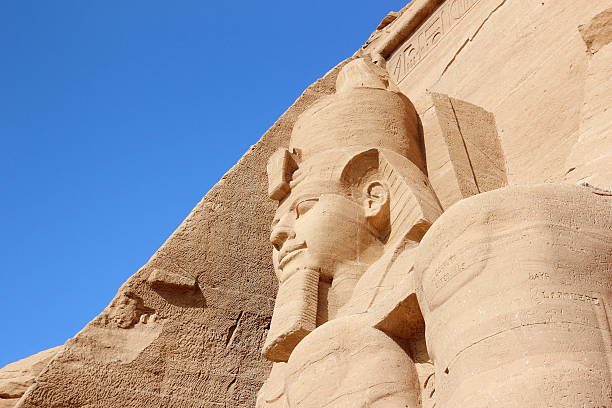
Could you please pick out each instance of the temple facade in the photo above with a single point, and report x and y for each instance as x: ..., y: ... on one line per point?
x: 428, y: 225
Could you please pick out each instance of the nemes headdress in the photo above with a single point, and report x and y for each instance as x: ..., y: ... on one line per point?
x: 366, y: 125
x: 366, y: 129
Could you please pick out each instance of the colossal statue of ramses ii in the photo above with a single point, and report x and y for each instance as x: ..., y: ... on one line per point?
x: 375, y: 309
x: 354, y: 203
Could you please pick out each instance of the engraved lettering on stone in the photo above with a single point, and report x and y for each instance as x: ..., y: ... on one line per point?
x: 426, y: 37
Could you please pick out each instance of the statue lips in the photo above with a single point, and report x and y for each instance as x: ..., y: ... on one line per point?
x: 288, y: 252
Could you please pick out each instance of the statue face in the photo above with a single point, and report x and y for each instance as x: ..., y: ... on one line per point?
x: 326, y: 232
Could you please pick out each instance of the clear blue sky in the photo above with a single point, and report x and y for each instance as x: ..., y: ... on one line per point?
x: 116, y: 117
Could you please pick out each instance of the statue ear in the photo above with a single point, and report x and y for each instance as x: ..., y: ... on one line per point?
x: 359, y: 176
x: 376, y: 207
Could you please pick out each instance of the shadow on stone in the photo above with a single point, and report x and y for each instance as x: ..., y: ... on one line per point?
x: 182, y: 297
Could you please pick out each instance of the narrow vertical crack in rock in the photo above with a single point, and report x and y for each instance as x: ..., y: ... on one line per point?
x: 470, y: 39
x: 231, y: 333
x: 467, y: 153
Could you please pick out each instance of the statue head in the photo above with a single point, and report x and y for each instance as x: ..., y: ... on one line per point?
x: 350, y: 185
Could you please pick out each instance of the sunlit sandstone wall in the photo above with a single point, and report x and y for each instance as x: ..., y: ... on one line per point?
x: 186, y: 329
x: 542, y: 68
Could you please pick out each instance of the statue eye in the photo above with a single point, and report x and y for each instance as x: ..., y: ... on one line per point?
x: 304, y: 206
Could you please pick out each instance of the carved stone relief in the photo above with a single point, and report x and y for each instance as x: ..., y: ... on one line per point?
x: 354, y: 202
x: 503, y: 302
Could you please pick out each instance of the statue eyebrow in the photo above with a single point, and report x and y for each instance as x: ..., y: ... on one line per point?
x: 301, y: 199
x: 294, y: 204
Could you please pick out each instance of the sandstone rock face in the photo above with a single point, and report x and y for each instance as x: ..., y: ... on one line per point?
x: 451, y: 116
x: 474, y: 147
x: 17, y: 377
x: 589, y: 160
x: 542, y: 69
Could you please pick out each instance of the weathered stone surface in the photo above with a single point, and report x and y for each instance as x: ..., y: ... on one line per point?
x: 525, y: 62
x: 510, y: 286
x: 591, y: 155
x: 514, y: 286
x: 473, y: 145
x: 389, y: 18
x: 160, y: 278
x: 598, y: 32
x: 17, y: 377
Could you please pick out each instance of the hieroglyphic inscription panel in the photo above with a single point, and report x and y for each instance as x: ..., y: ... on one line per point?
x: 427, y: 36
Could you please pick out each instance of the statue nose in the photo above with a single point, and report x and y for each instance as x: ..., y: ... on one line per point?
x: 280, y: 235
